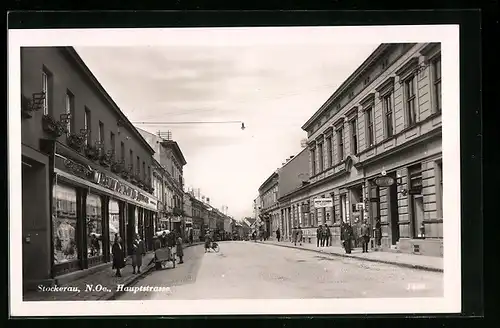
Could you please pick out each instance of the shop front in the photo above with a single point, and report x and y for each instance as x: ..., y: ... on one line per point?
x: 197, y: 228
x: 90, y: 207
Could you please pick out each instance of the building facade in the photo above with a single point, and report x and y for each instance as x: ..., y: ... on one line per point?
x: 199, y: 214
x: 169, y: 155
x: 384, y: 120
x: 293, y: 177
x: 86, y: 172
x: 269, y: 211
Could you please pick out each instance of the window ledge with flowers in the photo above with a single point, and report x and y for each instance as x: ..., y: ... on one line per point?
x: 75, y: 141
x: 118, y: 167
x: 106, y: 158
x: 52, y: 126
x: 92, y: 152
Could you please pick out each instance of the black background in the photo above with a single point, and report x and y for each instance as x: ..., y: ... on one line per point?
x: 472, y: 85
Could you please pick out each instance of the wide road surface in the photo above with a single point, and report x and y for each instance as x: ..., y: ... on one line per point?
x: 243, y: 269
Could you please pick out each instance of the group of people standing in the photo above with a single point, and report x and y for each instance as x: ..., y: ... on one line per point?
x: 119, y: 258
x: 323, y: 236
x: 139, y: 250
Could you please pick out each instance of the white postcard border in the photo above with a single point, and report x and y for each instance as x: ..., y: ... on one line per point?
x: 446, y: 34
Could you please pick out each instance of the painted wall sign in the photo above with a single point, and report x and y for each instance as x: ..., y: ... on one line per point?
x: 102, y: 179
x: 384, y: 181
x: 323, y: 202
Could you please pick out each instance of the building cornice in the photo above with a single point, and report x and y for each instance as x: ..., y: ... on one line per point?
x: 269, y: 179
x: 176, y: 149
x: 339, y: 122
x: 431, y: 49
x: 386, y: 86
x: 351, y: 113
x: 380, y: 51
x: 407, y: 68
x: 368, y: 100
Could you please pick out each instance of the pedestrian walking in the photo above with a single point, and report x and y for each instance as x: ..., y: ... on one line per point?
x: 138, y: 252
x: 319, y: 235
x: 118, y: 255
x: 254, y: 236
x: 299, y: 235
x: 278, y: 234
x: 378, y: 232
x: 328, y: 235
x: 347, y: 232
x: 191, y: 236
x: 365, y: 235
x: 180, y: 251
x: 208, y: 241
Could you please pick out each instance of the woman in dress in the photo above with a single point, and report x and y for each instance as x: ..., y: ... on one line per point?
x: 179, y: 251
x: 138, y: 251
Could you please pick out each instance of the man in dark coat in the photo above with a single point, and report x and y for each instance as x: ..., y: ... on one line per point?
x: 365, y: 235
x: 278, y: 234
x: 347, y: 232
x: 118, y: 255
x: 328, y: 235
x: 378, y: 232
x: 319, y: 236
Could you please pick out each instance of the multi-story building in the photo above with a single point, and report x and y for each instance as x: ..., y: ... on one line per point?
x: 199, y: 214
x: 187, y: 214
x: 293, y: 178
x: 269, y: 211
x: 375, y: 149
x: 86, y: 172
x: 171, y: 159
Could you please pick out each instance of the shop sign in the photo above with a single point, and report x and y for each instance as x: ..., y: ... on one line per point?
x: 77, y: 169
x: 121, y: 188
x: 384, y: 181
x: 102, y: 179
x: 323, y: 202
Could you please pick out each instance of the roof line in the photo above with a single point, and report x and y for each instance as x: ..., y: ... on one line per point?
x: 267, y: 180
x: 374, y: 56
x: 85, y: 69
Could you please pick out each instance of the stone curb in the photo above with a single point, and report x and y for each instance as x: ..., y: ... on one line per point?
x: 405, y: 265
x: 112, y: 296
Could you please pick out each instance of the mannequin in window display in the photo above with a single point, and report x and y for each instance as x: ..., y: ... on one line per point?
x: 65, y: 246
x: 95, y: 247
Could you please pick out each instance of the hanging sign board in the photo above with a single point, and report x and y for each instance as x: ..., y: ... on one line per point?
x: 323, y: 202
x: 384, y: 181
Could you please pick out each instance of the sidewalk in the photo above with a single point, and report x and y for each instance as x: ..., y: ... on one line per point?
x: 421, y: 262
x: 104, y: 278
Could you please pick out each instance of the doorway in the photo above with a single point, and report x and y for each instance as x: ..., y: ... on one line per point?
x: 393, y: 212
x: 417, y: 206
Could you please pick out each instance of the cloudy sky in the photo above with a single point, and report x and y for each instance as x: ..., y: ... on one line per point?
x: 274, y: 89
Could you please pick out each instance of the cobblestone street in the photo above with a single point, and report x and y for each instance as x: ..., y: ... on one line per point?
x: 256, y: 270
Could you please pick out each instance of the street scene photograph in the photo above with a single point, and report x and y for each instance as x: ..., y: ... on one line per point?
x: 234, y: 165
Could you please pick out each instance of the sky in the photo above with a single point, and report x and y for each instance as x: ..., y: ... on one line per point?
x: 273, y: 88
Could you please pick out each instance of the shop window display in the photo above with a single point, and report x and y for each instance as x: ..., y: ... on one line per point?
x: 94, y: 226
x: 64, y: 221
x: 114, y: 222
x: 136, y: 223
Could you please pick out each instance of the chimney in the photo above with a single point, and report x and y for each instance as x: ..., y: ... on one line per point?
x: 292, y: 157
